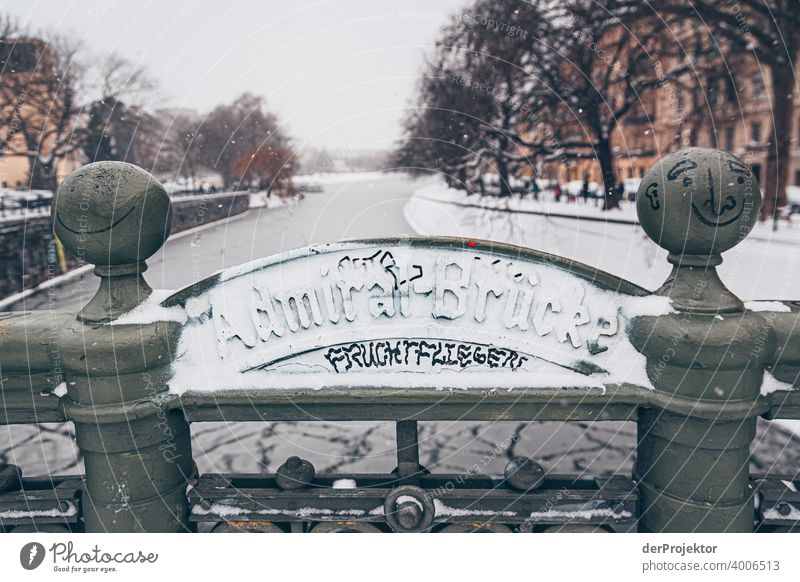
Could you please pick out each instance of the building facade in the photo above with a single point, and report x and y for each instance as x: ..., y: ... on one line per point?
x: 23, y: 62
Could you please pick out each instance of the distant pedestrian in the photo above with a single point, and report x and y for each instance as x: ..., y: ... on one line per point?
x: 535, y: 190
x: 558, y: 192
x: 585, y: 192
x: 620, y: 191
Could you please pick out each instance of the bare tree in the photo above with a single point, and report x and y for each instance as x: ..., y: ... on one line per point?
x: 475, y: 110
x: 119, y: 125
x: 41, y: 102
x: 180, y: 151
x: 443, y: 132
x: 598, y: 73
x: 769, y: 32
x: 269, y: 168
x: 231, y: 132
x: 546, y: 81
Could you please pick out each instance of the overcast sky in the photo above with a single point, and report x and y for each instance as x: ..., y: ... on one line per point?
x: 339, y: 72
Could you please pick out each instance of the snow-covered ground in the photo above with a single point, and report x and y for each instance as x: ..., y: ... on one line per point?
x: 765, y: 266
x: 545, y: 205
x: 261, y: 200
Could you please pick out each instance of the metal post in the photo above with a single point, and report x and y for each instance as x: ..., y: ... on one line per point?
x: 137, y: 455
x: 407, y: 451
x: 705, y: 361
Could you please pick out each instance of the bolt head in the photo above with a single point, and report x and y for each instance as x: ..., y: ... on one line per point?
x: 408, y: 515
x: 523, y: 473
x: 295, y: 473
x: 112, y: 213
x: 698, y: 201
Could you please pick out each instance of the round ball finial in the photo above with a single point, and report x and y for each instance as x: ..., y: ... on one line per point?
x: 698, y: 201
x: 112, y: 213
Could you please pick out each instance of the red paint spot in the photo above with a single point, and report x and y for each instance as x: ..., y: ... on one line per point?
x: 472, y: 243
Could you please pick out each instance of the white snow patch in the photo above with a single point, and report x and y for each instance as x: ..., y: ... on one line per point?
x: 17, y: 514
x: 224, y: 510
x: 344, y: 484
x: 773, y: 513
x: 771, y: 384
x: 151, y: 311
x: 261, y: 200
x: 761, y: 306
x: 586, y: 514
x: 409, y: 499
x: 443, y: 510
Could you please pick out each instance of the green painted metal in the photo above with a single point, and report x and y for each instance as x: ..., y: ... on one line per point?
x: 706, y: 362
x: 115, y: 216
x: 693, y: 471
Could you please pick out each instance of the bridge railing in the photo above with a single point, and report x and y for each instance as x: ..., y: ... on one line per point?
x: 405, y: 330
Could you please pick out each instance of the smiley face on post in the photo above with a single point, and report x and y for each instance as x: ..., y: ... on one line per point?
x: 112, y: 213
x: 698, y: 201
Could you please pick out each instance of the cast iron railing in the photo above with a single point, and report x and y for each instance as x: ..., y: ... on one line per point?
x: 405, y: 330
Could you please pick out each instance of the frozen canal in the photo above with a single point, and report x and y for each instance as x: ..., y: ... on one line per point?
x: 369, y: 206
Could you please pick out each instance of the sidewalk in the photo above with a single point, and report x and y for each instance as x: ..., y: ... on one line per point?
x: 546, y: 206
x: 787, y: 233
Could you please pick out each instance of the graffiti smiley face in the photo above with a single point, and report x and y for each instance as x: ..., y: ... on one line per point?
x: 698, y: 201
x: 111, y: 213
x: 716, y: 209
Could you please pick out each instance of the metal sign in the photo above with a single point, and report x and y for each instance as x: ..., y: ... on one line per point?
x: 405, y: 313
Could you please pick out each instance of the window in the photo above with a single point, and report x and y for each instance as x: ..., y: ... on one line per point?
x: 696, y: 99
x: 711, y: 91
x: 755, y: 132
x: 729, y: 135
x: 730, y: 89
x: 758, y: 86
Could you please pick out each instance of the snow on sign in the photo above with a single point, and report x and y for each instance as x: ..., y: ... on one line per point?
x: 405, y: 313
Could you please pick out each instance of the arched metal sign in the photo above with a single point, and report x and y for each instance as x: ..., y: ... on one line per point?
x: 405, y: 313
